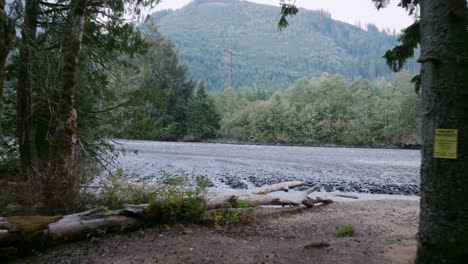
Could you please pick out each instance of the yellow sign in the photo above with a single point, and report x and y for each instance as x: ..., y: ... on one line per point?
x: 446, y: 143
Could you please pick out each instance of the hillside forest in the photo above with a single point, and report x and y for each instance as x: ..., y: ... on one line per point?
x: 204, y: 33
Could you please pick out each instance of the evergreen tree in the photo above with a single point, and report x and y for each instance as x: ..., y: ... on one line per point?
x: 203, y: 120
x: 159, y: 93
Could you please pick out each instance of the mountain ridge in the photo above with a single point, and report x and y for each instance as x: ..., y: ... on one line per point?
x: 264, y: 57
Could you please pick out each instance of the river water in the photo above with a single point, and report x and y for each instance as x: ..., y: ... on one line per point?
x: 361, y: 170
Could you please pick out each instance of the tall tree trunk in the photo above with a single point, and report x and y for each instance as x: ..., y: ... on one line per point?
x: 7, y: 32
x: 443, y: 229
x: 24, y: 108
x: 62, y: 177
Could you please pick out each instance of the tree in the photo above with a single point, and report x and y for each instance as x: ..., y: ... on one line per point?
x: 59, y: 79
x: 229, y: 101
x: 7, y: 33
x: 443, y: 227
x: 64, y: 139
x: 159, y: 93
x: 442, y: 32
x: 24, y: 91
x: 203, y: 120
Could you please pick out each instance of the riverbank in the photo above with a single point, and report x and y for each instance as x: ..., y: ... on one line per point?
x: 374, y: 171
x: 385, y: 232
x: 324, y: 145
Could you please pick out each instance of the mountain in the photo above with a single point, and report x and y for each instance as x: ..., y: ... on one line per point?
x: 263, y: 56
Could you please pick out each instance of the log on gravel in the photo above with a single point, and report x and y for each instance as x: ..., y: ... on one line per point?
x: 267, y: 195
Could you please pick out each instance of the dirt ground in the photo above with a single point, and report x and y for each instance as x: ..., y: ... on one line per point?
x: 385, y: 233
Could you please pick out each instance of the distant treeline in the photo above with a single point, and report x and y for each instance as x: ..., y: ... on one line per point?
x: 326, y: 110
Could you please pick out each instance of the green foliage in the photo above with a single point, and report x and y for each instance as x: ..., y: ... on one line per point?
x: 243, y: 203
x: 115, y: 191
x: 159, y: 90
x: 172, y: 200
x: 409, y: 5
x: 234, y: 212
x: 203, y: 120
x: 399, y: 55
x: 286, y: 10
x: 177, y: 210
x: 266, y: 58
x: 346, y: 230
x: 329, y: 110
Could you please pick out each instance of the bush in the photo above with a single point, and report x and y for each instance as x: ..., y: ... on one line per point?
x: 173, y: 199
x: 241, y: 214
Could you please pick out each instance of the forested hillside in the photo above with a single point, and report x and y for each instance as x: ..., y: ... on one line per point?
x: 265, y: 57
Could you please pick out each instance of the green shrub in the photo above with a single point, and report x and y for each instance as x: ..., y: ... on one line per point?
x: 179, y: 210
x: 346, y: 230
x: 173, y: 199
x: 234, y: 212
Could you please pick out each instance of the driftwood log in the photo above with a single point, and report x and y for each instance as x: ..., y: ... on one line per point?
x: 24, y: 232
x: 268, y: 195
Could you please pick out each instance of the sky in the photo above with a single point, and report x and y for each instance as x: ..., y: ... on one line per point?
x: 350, y: 11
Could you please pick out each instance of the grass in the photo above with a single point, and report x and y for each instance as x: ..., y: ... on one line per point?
x: 346, y: 230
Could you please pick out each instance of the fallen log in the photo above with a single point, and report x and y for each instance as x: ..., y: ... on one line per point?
x: 20, y: 233
x: 74, y: 226
x: 267, y: 195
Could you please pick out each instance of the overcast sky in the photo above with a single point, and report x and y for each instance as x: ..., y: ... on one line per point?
x: 349, y: 11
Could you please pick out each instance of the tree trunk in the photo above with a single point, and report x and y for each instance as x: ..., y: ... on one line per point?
x: 24, y: 107
x: 61, y: 176
x: 7, y: 32
x: 443, y: 228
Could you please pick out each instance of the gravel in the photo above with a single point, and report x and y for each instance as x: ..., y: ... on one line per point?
x: 361, y: 170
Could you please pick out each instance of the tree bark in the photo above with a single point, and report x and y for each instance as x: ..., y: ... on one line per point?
x: 61, y: 175
x: 7, y: 33
x: 24, y: 104
x: 443, y: 228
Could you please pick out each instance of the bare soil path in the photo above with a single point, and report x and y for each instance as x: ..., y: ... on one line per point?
x: 385, y: 233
